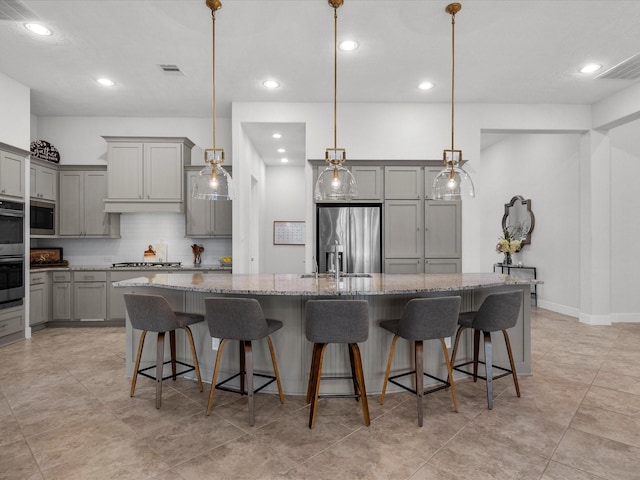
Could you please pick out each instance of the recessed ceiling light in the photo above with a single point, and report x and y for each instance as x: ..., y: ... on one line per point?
x: 106, y: 82
x: 270, y: 84
x: 38, y: 29
x: 425, y: 86
x: 281, y: 150
x: 348, y: 45
x: 284, y: 160
x: 276, y: 135
x: 590, y: 68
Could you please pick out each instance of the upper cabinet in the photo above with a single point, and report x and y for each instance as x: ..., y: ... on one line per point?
x: 206, y: 218
x: 11, y: 172
x: 403, y: 182
x: 369, y: 181
x: 81, y: 205
x: 44, y: 181
x: 144, y: 174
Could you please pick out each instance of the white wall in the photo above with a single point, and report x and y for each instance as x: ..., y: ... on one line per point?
x: 286, y: 189
x: 15, y: 120
x: 543, y: 168
x: 625, y: 221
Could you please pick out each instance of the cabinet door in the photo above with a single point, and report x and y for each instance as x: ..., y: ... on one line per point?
x: 163, y: 171
x: 90, y: 301
x: 442, y: 265
x: 221, y: 222
x: 95, y: 220
x: 38, y: 310
x: 70, y: 204
x: 125, y: 170
x: 117, y: 309
x: 403, y: 183
x: 430, y: 174
x: 442, y: 229
x: 46, y: 180
x: 403, y: 229
x: 61, y: 300
x: 11, y: 175
x: 369, y: 181
x: 403, y: 265
x: 11, y: 321
x: 198, y: 211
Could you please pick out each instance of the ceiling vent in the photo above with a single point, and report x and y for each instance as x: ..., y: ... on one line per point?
x: 16, y: 11
x: 626, y: 70
x: 171, y: 69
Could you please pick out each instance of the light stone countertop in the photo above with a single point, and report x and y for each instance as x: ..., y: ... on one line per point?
x: 296, y: 284
x: 109, y: 268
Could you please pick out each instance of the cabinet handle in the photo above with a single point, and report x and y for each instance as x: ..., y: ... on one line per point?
x: 3, y: 190
x: 3, y: 325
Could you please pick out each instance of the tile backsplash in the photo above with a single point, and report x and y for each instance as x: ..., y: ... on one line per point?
x: 138, y: 231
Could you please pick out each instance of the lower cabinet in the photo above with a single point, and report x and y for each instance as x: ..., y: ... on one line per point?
x: 61, y: 296
x: 442, y: 265
x: 90, y: 295
x: 11, y: 324
x: 117, y: 310
x: 39, y: 299
x: 403, y: 265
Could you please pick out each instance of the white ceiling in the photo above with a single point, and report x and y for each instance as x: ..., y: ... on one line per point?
x: 516, y: 51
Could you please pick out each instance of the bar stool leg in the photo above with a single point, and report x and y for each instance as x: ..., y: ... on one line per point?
x: 172, y: 346
x: 419, y: 359
x: 455, y: 346
x: 386, y: 375
x: 248, y: 355
x: 489, y: 368
x: 275, y: 368
x: 159, y: 365
x: 242, y: 370
x: 353, y: 375
x: 316, y: 386
x: 137, y: 365
x: 194, y: 355
x: 214, y: 379
x: 360, y: 377
x: 513, y: 364
x: 476, y: 351
x: 315, y: 357
x: 449, y: 374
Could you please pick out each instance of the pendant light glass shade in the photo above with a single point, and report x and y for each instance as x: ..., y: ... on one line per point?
x: 213, y: 182
x: 452, y: 183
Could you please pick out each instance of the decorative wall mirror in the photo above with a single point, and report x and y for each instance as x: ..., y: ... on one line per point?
x: 518, y: 219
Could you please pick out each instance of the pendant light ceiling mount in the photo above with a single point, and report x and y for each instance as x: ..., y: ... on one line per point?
x: 335, y: 182
x: 213, y: 182
x: 452, y: 183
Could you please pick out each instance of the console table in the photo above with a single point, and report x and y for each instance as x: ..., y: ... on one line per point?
x: 504, y: 268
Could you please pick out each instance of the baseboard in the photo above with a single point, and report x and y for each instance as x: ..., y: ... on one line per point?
x: 558, y: 308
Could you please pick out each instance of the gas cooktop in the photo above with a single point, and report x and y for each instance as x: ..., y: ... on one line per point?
x: 147, y: 264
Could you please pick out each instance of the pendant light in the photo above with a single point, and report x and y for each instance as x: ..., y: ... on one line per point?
x: 452, y: 183
x: 335, y: 182
x: 213, y: 182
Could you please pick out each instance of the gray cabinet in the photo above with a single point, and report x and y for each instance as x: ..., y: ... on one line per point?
x: 442, y: 265
x: 145, y: 174
x: 403, y: 265
x: 61, y: 296
x: 11, y: 174
x: 117, y: 310
x: 403, y: 229
x: 403, y: 182
x: 430, y: 174
x: 90, y: 295
x: 11, y: 324
x: 81, y: 205
x: 39, y: 298
x: 43, y: 181
x: 205, y: 218
x: 442, y: 229
x: 369, y: 181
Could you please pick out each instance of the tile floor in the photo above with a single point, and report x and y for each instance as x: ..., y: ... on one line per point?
x: 65, y: 413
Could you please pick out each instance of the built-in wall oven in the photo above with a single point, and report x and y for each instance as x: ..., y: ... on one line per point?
x: 11, y: 253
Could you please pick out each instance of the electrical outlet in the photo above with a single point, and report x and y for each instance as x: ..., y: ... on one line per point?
x: 447, y: 342
x: 215, y: 343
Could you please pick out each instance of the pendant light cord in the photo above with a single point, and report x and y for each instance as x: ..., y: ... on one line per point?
x: 335, y: 77
x: 453, y: 70
x: 213, y: 63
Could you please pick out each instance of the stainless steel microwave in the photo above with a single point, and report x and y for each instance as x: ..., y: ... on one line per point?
x: 43, y: 218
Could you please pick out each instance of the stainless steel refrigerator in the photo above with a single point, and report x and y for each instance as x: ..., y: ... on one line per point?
x: 357, y: 228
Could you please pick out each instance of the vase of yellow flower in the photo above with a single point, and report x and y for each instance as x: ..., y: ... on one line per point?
x: 508, y: 246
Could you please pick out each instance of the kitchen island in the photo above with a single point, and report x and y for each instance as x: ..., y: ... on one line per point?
x: 283, y: 296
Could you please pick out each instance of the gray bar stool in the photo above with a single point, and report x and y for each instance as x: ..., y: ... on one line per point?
x: 336, y: 321
x: 423, y: 319
x: 241, y: 319
x: 152, y: 313
x: 498, y: 312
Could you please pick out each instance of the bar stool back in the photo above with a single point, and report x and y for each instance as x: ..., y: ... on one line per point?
x: 241, y: 319
x: 336, y: 321
x: 423, y: 319
x: 498, y: 312
x: 152, y: 313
